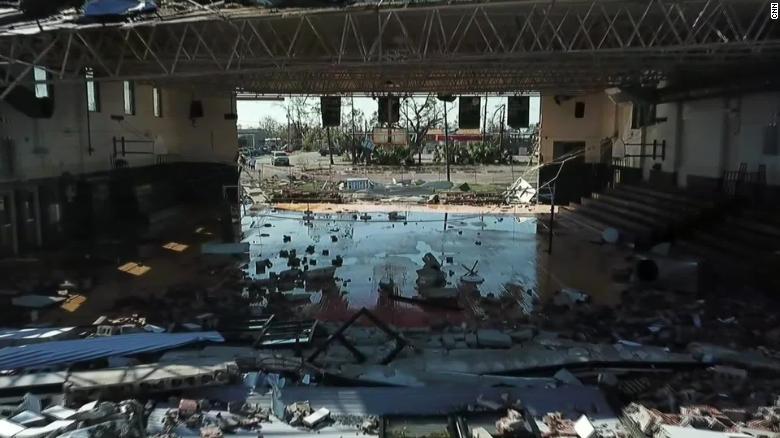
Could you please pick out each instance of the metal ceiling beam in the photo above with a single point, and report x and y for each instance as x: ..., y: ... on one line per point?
x: 598, y: 42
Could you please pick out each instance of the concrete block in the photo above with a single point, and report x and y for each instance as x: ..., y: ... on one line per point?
x: 584, y: 427
x: 493, y: 339
x: 317, y: 417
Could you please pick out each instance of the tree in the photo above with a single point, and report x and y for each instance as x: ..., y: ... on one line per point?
x: 353, y: 121
x: 300, y: 117
x: 420, y: 115
x: 272, y: 128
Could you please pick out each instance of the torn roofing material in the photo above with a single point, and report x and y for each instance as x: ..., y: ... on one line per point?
x: 80, y: 350
x: 104, y: 8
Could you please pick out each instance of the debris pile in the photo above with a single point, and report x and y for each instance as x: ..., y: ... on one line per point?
x: 33, y: 419
x: 206, y: 418
x: 729, y: 422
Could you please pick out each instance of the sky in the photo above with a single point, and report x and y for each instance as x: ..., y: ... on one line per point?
x: 251, y: 112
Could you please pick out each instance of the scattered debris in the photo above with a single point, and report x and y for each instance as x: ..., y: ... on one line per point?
x: 569, y: 297
x: 317, y: 417
x: 513, y: 424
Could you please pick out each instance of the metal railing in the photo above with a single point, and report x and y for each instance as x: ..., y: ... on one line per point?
x: 743, y: 184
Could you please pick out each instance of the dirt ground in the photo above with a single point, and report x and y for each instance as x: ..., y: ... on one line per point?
x: 530, y: 210
x: 316, y: 166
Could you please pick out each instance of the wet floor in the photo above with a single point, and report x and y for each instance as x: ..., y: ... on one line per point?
x: 509, y: 254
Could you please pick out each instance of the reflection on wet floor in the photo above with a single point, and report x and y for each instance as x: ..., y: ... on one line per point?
x: 371, y: 249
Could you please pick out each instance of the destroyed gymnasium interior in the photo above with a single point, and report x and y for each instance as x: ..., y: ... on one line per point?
x: 391, y: 218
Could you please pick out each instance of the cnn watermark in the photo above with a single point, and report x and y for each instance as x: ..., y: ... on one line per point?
x: 773, y: 10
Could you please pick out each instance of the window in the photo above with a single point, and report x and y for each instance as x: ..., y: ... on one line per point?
x: 129, y: 92
x: 579, y: 110
x: 157, y: 101
x: 93, y: 92
x: 41, y: 87
x: 642, y: 115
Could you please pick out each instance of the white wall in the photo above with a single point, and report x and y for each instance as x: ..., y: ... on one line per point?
x: 703, y: 137
x: 709, y: 136
x: 603, y: 121
x: 559, y: 124
x: 49, y: 147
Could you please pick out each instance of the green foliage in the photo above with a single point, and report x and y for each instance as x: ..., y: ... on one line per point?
x: 479, y: 153
x: 390, y: 156
x: 313, y: 138
x: 473, y: 153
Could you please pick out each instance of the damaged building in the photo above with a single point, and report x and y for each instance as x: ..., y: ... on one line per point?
x: 176, y: 262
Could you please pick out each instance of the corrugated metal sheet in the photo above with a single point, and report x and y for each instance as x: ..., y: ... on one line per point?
x: 571, y: 401
x: 32, y: 335
x: 143, y: 373
x: 79, y: 350
x: 28, y: 380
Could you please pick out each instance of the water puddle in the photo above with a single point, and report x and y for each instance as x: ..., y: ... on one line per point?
x: 375, y: 248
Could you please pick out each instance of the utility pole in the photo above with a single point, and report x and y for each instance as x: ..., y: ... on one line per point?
x: 446, y: 142
x: 501, y: 134
x: 354, y: 138
x: 289, y: 139
x: 389, y: 123
x: 330, y: 147
x: 484, y: 121
x: 552, y: 218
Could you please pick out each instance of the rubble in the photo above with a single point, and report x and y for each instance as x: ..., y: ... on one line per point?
x: 316, y: 417
x: 568, y: 297
x: 513, y: 424
x: 702, y: 420
x: 295, y: 413
x: 670, y: 350
x: 584, y: 428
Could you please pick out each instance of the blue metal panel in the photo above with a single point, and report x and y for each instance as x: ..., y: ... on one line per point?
x: 79, y: 350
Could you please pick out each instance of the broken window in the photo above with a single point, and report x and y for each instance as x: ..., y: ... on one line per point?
x: 157, y: 101
x: 579, y: 110
x: 129, y: 93
x: 41, y: 87
x: 642, y: 115
x: 93, y: 92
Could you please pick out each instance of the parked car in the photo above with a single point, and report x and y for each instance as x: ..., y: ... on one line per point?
x: 280, y: 158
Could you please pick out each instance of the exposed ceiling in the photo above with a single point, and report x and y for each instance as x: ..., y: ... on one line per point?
x: 566, y: 46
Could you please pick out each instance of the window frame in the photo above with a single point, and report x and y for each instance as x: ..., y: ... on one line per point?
x: 44, y: 90
x: 157, y: 104
x: 128, y: 95
x: 93, y: 92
